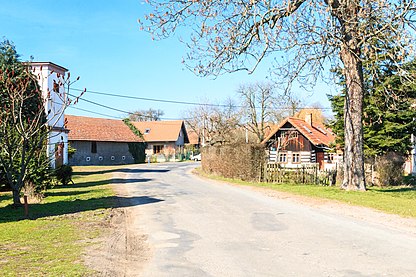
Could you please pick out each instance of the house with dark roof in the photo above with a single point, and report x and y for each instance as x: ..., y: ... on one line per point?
x: 100, y: 141
x: 163, y: 137
x: 296, y: 142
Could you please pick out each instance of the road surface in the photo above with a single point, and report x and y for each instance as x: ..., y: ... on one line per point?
x: 199, y: 227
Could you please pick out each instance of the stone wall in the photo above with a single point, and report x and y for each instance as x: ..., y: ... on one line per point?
x: 108, y: 153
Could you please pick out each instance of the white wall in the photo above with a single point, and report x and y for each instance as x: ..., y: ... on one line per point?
x: 48, y: 74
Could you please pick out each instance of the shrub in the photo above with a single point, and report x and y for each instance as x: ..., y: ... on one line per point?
x: 242, y: 161
x: 39, y: 174
x: 71, y: 151
x: 64, y: 174
x: 137, y: 150
x: 390, y: 169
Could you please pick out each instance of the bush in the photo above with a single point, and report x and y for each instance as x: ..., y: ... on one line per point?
x: 390, y: 169
x: 137, y: 150
x: 64, y: 174
x: 241, y: 161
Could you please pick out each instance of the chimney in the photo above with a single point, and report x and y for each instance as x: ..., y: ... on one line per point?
x: 308, y: 118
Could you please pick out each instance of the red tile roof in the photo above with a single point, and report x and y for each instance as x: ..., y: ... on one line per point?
x: 158, y: 131
x: 193, y: 137
x: 99, y: 129
x: 317, y: 134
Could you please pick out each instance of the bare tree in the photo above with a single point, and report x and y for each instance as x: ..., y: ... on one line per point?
x: 257, y: 101
x: 215, y: 123
x: 310, y: 35
x: 146, y: 115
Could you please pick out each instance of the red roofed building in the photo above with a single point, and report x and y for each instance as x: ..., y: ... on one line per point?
x: 163, y: 136
x: 295, y: 142
x: 100, y: 141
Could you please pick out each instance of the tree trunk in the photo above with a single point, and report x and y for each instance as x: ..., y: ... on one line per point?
x: 16, y: 197
x: 354, y: 178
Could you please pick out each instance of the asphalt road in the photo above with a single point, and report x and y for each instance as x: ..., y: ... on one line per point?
x: 199, y: 227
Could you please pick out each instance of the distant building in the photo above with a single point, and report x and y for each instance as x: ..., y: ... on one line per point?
x: 100, y: 141
x: 49, y: 76
x: 163, y: 136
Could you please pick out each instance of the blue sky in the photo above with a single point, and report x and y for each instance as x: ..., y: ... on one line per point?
x: 101, y: 42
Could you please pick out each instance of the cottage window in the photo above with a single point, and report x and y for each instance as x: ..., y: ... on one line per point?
x: 296, y: 158
x: 282, y: 158
x: 157, y: 149
x: 93, y: 147
x: 331, y: 157
x: 289, y: 134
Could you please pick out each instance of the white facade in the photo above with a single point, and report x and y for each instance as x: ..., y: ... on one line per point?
x: 51, y: 79
x: 410, y: 166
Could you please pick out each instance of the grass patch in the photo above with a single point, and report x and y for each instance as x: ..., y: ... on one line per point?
x: 393, y: 200
x: 51, y: 242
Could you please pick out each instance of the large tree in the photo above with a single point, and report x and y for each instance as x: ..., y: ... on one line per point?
x: 309, y: 35
x: 388, y: 113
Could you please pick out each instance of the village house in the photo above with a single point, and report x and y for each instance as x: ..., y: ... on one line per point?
x: 54, y: 95
x: 296, y: 142
x: 100, y: 141
x: 194, y: 140
x: 163, y: 137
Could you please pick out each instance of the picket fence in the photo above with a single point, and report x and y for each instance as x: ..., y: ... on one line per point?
x: 306, y: 174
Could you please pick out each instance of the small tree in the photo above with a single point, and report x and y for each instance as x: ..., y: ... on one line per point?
x: 24, y: 126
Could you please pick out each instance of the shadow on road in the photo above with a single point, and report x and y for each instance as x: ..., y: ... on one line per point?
x: 122, y: 170
x: 105, y: 182
x: 70, y: 207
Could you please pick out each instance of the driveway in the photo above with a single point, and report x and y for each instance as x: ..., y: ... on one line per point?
x: 198, y: 227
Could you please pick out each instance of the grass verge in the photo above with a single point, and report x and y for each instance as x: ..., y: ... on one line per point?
x: 393, y: 200
x: 66, y: 221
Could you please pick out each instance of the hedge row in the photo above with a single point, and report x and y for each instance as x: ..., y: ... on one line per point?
x: 240, y: 161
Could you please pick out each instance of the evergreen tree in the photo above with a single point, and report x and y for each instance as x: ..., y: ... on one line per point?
x: 388, y: 115
x: 23, y: 131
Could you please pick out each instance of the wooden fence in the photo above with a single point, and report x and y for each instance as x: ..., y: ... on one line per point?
x: 306, y: 174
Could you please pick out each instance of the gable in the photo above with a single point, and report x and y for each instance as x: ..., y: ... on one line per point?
x: 316, y: 133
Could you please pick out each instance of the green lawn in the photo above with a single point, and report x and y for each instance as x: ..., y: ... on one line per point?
x: 61, y: 226
x: 393, y: 200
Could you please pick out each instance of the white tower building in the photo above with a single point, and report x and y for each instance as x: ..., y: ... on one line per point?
x: 51, y: 79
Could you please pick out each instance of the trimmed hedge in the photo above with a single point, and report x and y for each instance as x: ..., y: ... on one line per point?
x: 239, y: 161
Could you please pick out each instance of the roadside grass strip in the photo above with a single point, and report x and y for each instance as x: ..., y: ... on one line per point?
x: 400, y: 200
x: 61, y: 226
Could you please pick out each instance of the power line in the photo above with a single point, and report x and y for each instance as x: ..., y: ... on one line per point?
x: 115, y: 109
x: 153, y: 99
x: 88, y: 111
x: 181, y: 102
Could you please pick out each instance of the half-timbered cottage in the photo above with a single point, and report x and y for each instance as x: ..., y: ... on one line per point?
x: 296, y: 142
